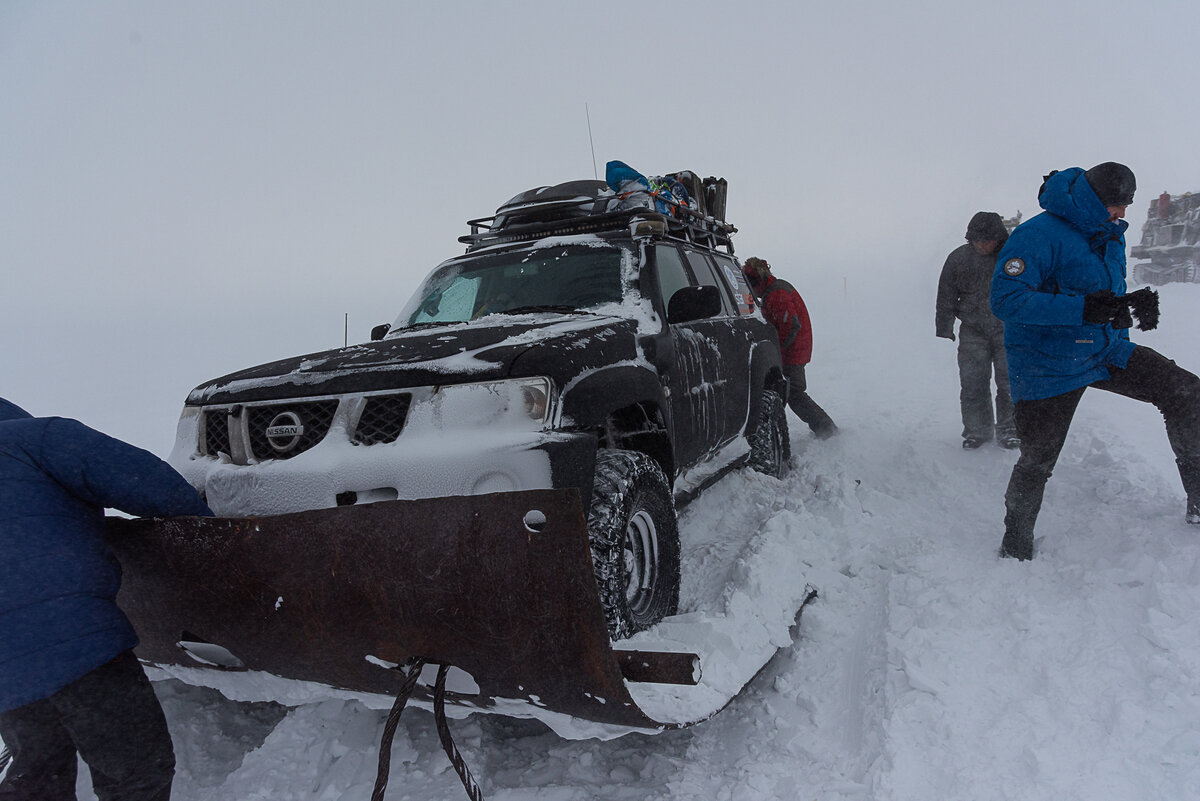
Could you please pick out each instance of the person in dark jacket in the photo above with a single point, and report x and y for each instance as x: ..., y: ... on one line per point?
x: 1059, y: 287
x: 69, y: 683
x: 963, y: 292
x: 785, y: 310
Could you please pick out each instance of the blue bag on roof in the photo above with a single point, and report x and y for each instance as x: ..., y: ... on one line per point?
x: 637, y: 190
x: 623, y: 178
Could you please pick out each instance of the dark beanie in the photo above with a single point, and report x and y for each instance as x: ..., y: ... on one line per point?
x: 1113, y: 183
x: 985, y: 226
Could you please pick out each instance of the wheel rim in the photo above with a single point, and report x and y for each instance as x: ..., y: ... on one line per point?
x: 641, y: 563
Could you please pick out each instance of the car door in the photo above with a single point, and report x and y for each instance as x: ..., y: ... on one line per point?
x: 692, y: 403
x: 728, y: 374
x: 745, y: 332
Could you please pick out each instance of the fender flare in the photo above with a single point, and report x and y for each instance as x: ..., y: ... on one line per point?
x: 591, y: 400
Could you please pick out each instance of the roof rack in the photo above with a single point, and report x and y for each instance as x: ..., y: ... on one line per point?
x: 578, y: 207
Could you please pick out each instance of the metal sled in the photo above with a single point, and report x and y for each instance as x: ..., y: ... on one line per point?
x: 500, y: 586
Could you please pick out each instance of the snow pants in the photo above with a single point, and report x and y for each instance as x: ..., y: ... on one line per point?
x: 112, y: 719
x: 980, y: 356
x: 1042, y: 425
x: 804, y: 406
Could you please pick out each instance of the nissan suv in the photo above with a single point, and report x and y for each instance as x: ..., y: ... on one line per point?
x: 585, y: 339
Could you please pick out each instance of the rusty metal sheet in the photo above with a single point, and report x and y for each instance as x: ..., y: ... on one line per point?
x: 660, y: 667
x: 312, y: 595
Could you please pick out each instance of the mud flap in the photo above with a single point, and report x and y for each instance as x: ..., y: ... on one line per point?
x: 500, y: 586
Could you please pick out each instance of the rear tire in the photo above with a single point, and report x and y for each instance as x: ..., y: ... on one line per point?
x: 770, y: 445
x: 634, y: 541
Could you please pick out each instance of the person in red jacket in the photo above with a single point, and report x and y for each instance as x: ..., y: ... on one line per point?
x: 784, y: 308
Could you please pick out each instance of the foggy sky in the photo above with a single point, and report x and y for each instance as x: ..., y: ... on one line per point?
x: 191, y: 188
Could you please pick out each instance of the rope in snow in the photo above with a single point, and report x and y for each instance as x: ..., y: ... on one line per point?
x: 439, y: 716
x: 389, y: 729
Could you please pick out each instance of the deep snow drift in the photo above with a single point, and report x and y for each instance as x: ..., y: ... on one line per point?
x: 927, y: 668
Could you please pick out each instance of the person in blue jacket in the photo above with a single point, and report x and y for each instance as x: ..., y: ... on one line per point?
x: 1059, y: 287
x: 69, y: 683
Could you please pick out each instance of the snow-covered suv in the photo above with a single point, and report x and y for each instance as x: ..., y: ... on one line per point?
x: 583, y: 340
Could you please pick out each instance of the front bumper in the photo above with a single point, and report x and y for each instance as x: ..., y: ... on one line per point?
x: 420, y: 463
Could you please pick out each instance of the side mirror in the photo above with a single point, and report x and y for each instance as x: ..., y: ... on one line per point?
x: 380, y: 331
x: 694, y: 303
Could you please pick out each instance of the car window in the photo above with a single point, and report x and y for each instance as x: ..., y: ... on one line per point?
x: 672, y: 275
x: 743, y: 296
x: 702, y: 269
x: 570, y: 277
x: 453, y: 303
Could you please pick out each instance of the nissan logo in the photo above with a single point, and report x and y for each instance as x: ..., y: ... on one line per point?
x: 285, y: 431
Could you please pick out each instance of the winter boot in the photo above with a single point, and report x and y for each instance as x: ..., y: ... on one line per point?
x: 825, y: 431
x: 1009, y: 440
x: 1023, y: 501
x: 1189, y: 473
x: 1016, y: 545
x: 972, y: 443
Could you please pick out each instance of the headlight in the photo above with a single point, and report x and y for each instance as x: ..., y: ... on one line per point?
x: 524, y: 403
x: 187, y: 435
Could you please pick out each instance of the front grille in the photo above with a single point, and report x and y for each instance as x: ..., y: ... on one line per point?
x: 382, y: 419
x: 309, y: 421
x: 216, y: 432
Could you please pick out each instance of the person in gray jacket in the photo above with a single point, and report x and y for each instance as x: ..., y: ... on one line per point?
x: 964, y: 291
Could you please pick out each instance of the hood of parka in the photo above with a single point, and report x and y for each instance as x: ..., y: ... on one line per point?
x: 985, y: 226
x: 1068, y: 195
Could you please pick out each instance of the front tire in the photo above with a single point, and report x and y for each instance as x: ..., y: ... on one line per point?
x: 634, y: 541
x: 770, y: 444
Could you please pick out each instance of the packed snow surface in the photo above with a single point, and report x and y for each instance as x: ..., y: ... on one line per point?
x: 927, y: 668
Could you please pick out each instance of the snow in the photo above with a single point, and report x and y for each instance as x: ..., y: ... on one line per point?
x: 927, y: 668
x: 465, y: 362
x: 495, y: 453
x: 690, y: 480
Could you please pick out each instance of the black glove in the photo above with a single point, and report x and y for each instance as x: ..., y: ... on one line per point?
x: 1123, y: 320
x: 1144, y: 305
x: 1102, y: 307
x: 946, y: 335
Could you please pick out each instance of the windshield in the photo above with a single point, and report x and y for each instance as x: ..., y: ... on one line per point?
x: 563, y: 278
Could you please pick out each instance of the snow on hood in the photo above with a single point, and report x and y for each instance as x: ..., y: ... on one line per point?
x: 414, y: 357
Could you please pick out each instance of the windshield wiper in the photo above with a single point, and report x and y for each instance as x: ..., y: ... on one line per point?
x: 545, y: 308
x: 427, y: 324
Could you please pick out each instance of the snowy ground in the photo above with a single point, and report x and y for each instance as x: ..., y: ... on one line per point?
x: 927, y: 669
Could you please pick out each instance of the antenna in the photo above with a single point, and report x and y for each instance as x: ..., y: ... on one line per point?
x: 595, y: 172
x: 346, y: 341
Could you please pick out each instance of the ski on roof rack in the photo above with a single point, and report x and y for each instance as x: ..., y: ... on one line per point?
x: 577, y: 207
